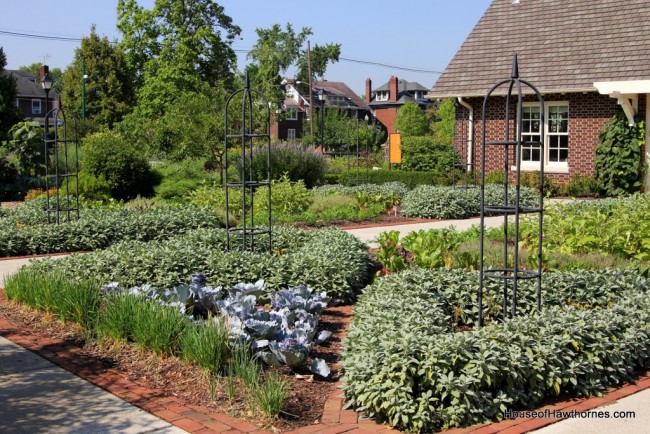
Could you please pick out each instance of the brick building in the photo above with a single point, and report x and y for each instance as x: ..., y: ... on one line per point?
x: 386, y: 100
x: 588, y: 58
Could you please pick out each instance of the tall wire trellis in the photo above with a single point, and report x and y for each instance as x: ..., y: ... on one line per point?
x: 61, y: 168
x: 248, y: 231
x: 510, y: 207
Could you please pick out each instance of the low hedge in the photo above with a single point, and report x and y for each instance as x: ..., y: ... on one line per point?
x: 403, y: 363
x: 435, y: 202
x: 25, y: 233
x: 327, y: 260
x: 411, y: 179
x: 398, y: 189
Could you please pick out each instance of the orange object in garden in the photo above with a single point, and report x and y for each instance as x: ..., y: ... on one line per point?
x: 394, y: 148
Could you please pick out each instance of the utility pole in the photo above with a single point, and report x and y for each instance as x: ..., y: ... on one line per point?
x: 311, y: 94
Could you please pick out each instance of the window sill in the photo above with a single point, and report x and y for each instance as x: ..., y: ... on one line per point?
x: 547, y: 169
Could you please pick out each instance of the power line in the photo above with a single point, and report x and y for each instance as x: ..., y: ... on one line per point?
x: 344, y: 59
x: 34, y: 36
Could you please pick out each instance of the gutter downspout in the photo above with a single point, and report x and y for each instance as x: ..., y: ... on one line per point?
x: 470, y: 133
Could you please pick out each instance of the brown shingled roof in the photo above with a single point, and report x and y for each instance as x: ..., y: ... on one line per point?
x: 562, y: 45
x: 342, y: 89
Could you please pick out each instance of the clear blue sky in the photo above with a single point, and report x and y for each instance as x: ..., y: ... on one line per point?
x: 418, y: 34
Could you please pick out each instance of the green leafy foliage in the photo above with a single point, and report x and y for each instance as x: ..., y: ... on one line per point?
x: 25, y: 143
x: 451, y: 203
x: 109, y: 91
x: 442, y: 119
x: 424, y: 154
x: 608, y: 226
x: 405, y: 365
x: 124, y: 168
x: 329, y: 260
x: 382, y: 176
x: 9, y: 114
x: 411, y: 121
x: 619, y: 162
x: 24, y: 231
x: 179, y: 179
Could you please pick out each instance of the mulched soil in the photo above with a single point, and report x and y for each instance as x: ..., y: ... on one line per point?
x: 189, y: 383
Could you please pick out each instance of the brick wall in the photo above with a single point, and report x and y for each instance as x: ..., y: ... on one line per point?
x: 588, y: 112
x: 387, y: 116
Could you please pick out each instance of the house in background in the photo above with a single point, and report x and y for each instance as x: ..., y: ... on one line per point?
x: 588, y: 58
x: 296, y: 106
x: 386, y: 100
x: 30, y: 98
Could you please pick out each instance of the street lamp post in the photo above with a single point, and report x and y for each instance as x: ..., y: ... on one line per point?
x: 322, y: 97
x: 46, y: 83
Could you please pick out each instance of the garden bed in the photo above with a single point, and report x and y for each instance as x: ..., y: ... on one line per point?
x: 180, y: 380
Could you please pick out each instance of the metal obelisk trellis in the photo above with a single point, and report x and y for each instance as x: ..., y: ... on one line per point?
x: 248, y: 231
x: 60, y: 172
x: 512, y: 144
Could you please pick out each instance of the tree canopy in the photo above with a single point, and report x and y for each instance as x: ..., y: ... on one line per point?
x: 411, y: 120
x: 442, y: 119
x: 9, y: 114
x: 277, y: 50
x: 109, y: 93
x: 175, y: 47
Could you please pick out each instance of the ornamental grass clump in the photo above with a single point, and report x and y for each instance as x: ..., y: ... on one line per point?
x: 70, y: 300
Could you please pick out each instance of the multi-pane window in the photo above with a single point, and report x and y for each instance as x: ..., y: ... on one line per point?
x: 291, y: 135
x: 36, y: 106
x: 530, y: 133
x: 555, y: 130
x: 292, y: 114
x: 557, y: 134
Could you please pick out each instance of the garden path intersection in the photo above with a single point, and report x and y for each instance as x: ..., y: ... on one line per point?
x: 42, y: 389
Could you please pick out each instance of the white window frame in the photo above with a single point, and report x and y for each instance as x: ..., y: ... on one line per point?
x: 292, y: 114
x: 36, y: 111
x: 291, y: 134
x: 549, y: 166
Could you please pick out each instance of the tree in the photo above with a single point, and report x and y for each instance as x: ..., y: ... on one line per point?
x: 55, y: 73
x: 26, y: 145
x: 9, y: 114
x: 273, y: 53
x: 109, y: 93
x: 175, y: 47
x: 277, y: 50
x: 411, y: 121
x: 442, y: 118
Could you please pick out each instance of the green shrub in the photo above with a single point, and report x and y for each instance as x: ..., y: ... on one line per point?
x: 410, y: 179
x: 287, y: 197
x: 125, y: 169
x: 181, y: 178
x: 296, y: 161
x: 456, y: 203
x: 404, y: 365
x: 583, y: 186
x: 423, y: 154
x: 325, y: 203
x: 23, y: 231
x: 329, y: 260
x: 619, y: 162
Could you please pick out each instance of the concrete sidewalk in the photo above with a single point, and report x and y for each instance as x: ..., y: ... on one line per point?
x: 38, y: 396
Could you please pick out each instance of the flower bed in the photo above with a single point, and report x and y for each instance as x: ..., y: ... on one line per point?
x: 407, y: 362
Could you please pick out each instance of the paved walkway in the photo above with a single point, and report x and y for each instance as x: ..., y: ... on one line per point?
x: 36, y: 395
